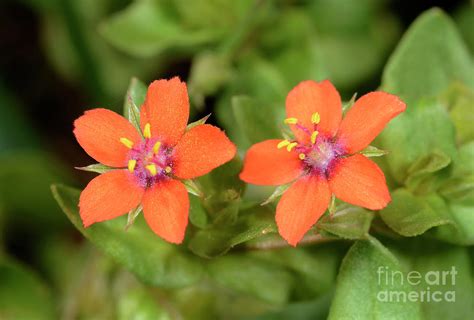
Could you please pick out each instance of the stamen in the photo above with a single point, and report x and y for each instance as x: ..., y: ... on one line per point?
x: 126, y: 142
x: 283, y: 144
x: 290, y: 121
x: 147, y: 131
x: 314, y: 135
x: 156, y: 147
x: 291, y: 146
x: 302, y: 156
x: 315, y: 118
x: 152, y: 169
x: 131, y: 165
x: 168, y: 169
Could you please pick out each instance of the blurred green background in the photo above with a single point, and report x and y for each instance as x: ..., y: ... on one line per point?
x: 61, y: 57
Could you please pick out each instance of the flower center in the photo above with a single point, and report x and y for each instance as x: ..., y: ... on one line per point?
x: 150, y: 161
x: 317, y: 155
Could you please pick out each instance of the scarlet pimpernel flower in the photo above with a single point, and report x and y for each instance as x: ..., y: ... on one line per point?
x: 324, y: 159
x: 150, y: 162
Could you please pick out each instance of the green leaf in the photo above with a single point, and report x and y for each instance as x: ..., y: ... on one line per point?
x: 421, y: 174
x: 256, y: 121
x: 134, y: 99
x: 347, y: 222
x: 193, y: 188
x: 465, y: 19
x: 360, y: 291
x: 430, y: 56
x: 138, y: 304
x: 444, y: 259
x: 149, y: 27
x: 96, y: 167
x: 219, y: 238
x: 460, y: 101
x: 305, y: 310
x: 421, y: 129
x: 372, y: 151
x: 222, y: 186
x: 209, y: 72
x: 411, y: 216
x: 303, y: 261
x: 197, y: 214
x: 152, y: 260
x: 462, y: 231
x: 198, y: 122
x: 445, y: 272
x: 132, y: 215
x: 278, y: 192
x: 250, y: 276
x: 460, y: 187
x: 22, y: 294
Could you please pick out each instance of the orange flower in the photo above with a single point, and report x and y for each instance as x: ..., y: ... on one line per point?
x: 149, y: 168
x: 323, y: 159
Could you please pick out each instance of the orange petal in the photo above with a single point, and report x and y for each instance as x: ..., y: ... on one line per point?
x: 359, y: 181
x: 98, y: 132
x: 166, y: 109
x: 367, y: 118
x: 301, y: 206
x: 166, y: 208
x: 310, y: 97
x: 200, y: 150
x: 108, y: 196
x: 265, y: 164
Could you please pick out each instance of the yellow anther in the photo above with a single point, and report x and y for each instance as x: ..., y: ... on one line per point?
x: 152, y: 169
x: 302, y: 156
x: 127, y: 143
x: 156, y: 147
x: 168, y: 169
x: 314, y: 135
x: 147, y: 131
x: 291, y: 146
x: 131, y: 165
x: 290, y: 121
x: 315, y: 118
x: 283, y: 144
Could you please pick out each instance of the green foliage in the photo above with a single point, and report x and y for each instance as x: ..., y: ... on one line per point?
x: 424, y: 128
x: 359, y: 287
x: 153, y: 260
x: 433, y: 261
x: 255, y: 121
x: 251, y: 276
x: 428, y: 59
x: 411, y: 216
x: 22, y: 294
x: 347, y: 222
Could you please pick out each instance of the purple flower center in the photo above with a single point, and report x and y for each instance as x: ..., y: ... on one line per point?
x: 150, y: 162
x: 320, y: 156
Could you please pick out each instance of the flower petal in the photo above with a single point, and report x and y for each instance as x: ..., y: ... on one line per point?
x: 108, y: 196
x: 166, y: 109
x: 367, y: 118
x: 265, y: 164
x: 98, y: 132
x: 166, y: 208
x: 301, y: 206
x: 202, y: 149
x: 310, y: 97
x: 359, y: 181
